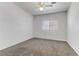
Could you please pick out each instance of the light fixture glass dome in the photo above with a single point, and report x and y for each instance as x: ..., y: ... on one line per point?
x: 41, y: 8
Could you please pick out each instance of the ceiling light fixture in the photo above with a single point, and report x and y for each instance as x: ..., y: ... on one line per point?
x: 43, y: 5
x: 41, y: 8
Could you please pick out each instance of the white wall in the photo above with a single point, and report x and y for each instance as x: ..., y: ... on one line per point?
x: 15, y: 25
x: 73, y: 26
x: 60, y: 34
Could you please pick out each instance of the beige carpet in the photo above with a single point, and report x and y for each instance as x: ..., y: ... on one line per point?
x: 39, y: 47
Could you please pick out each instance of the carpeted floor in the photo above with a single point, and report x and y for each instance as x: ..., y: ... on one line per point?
x: 39, y: 47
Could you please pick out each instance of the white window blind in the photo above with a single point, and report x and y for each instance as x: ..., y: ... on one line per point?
x: 51, y: 25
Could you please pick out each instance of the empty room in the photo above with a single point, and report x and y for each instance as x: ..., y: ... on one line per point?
x: 39, y: 28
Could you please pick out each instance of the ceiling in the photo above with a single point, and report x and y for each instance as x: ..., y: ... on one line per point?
x: 33, y: 9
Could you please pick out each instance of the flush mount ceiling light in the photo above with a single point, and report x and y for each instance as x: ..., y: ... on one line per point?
x: 43, y: 5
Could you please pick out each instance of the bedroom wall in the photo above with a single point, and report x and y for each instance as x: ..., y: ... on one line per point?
x: 59, y: 34
x: 15, y: 25
x: 73, y: 26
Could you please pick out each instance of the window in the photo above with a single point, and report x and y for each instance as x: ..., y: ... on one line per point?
x: 45, y: 25
x: 51, y: 25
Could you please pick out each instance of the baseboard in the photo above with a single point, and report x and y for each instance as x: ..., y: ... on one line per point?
x: 76, y: 50
x: 47, y: 39
x: 26, y: 40
x: 17, y: 43
x: 50, y: 38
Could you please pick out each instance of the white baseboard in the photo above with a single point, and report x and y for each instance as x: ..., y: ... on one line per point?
x: 16, y: 43
x: 74, y: 48
x: 51, y: 38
